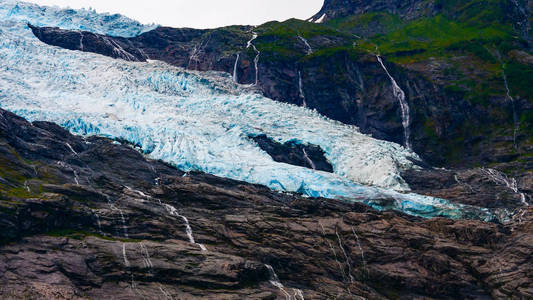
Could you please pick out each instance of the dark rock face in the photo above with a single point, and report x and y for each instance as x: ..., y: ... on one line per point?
x: 85, y: 218
x: 374, y: 108
x: 345, y: 86
x: 479, y: 187
x: 309, y: 156
x: 89, y: 42
x: 410, y: 9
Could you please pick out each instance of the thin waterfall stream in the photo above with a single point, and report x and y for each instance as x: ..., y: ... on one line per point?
x: 511, y: 99
x: 306, y: 43
x: 235, y: 77
x: 301, y: 89
x: 256, y: 59
x: 399, y: 94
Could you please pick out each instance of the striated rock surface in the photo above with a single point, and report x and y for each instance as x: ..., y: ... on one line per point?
x: 88, y: 218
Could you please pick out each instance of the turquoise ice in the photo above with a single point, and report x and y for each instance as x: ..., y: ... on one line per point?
x: 195, y: 121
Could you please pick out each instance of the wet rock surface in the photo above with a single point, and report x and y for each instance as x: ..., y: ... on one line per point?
x: 88, y: 218
x: 482, y: 187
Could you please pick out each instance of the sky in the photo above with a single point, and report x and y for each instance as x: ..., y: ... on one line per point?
x: 199, y: 13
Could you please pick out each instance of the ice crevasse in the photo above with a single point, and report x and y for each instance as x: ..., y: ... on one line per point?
x: 195, y: 121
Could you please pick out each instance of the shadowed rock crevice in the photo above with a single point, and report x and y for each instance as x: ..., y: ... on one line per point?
x: 294, y: 153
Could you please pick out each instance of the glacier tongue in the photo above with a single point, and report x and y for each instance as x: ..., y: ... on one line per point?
x: 81, y: 19
x: 196, y: 121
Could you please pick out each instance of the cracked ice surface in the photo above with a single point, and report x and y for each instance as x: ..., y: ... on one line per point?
x: 197, y: 121
x: 80, y: 19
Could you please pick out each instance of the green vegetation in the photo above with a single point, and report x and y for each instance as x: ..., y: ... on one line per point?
x: 279, y: 40
x: 376, y: 22
x: 520, y: 79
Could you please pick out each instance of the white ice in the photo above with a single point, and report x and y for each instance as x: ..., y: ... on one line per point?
x: 195, y: 121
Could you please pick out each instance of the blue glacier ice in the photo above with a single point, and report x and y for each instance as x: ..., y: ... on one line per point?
x: 195, y: 121
x: 81, y: 19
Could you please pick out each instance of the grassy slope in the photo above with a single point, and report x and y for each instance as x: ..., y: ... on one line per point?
x: 477, y: 30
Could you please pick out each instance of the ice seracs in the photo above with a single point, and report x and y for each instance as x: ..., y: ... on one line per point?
x: 196, y: 121
x: 79, y: 19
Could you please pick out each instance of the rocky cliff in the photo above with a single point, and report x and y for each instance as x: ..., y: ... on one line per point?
x: 464, y: 83
x: 89, y: 218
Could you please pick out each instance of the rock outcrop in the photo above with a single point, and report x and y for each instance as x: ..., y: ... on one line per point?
x: 88, y: 218
x: 309, y: 156
x: 333, y: 9
x: 449, y: 116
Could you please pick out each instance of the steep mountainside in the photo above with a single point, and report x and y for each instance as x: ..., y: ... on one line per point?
x: 145, y: 162
x: 464, y: 69
x: 87, y: 218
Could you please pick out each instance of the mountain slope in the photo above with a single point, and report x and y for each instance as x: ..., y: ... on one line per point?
x: 87, y: 218
x: 131, y: 207
x: 450, y: 60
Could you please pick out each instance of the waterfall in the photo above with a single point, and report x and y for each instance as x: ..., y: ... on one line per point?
x: 76, y: 178
x: 400, y: 96
x: 146, y: 256
x: 360, y: 248
x: 256, y: 59
x: 306, y: 43
x: 138, y: 192
x: 98, y: 222
x: 345, y: 256
x: 71, y: 149
x: 298, y: 294
x: 174, y: 212
x: 126, y: 261
x: 118, y: 50
x: 301, y: 89
x: 124, y: 228
x: 27, y: 186
x: 123, y: 220
x: 511, y: 99
x: 333, y: 251
x: 63, y: 165
x: 311, y: 163
x: 501, y: 179
x: 235, y: 78
x: 196, y: 52
x: 256, y: 64
x: 274, y: 280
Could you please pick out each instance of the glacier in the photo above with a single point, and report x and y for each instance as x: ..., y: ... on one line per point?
x: 194, y: 120
x: 79, y: 19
